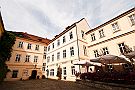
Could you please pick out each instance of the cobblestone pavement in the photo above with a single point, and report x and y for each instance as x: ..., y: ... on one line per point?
x: 43, y: 84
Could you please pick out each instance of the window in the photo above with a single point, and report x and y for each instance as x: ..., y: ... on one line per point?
x: 48, y: 59
x: 53, y: 45
x: 72, y: 51
x: 82, y: 32
x: 35, y: 58
x: 96, y: 53
x: 29, y: 46
x: 122, y: 48
x: 48, y: 48
x: 27, y: 58
x: 85, y: 50
x: 45, y: 48
x: 25, y: 72
x: 64, y: 53
x: 44, y: 56
x: 64, y: 39
x: 93, y: 38
x: 71, y: 35
x: 20, y: 45
x: 64, y: 71
x: 52, y: 72
x: 58, y: 42
x: 44, y: 64
x: 58, y: 55
x: 37, y: 47
x: 73, y: 70
x: 43, y: 68
x: 15, y: 72
x: 52, y: 58
x: 115, y: 26
x: 18, y: 56
x: 132, y: 19
x: 105, y: 51
x: 101, y: 33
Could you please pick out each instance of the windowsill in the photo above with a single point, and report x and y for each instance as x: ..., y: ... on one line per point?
x: 102, y: 37
x: 93, y: 40
x: 116, y: 31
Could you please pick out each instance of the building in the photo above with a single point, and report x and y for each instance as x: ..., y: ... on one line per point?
x: 66, y: 48
x: 28, y: 57
x: 1, y: 26
x: 113, y: 36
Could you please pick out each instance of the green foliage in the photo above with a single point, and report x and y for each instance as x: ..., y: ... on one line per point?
x: 6, y: 43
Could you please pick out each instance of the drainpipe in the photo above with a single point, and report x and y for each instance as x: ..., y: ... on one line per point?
x: 78, y: 49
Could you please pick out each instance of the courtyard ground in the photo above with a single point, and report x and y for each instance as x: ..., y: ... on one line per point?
x: 43, y: 84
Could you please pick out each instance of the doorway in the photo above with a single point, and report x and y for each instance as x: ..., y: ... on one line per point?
x: 33, y: 74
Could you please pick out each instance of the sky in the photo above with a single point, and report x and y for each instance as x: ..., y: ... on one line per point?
x: 47, y: 18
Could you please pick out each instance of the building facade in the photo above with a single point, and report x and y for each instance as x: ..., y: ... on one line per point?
x: 28, y: 57
x: 113, y: 36
x: 66, y: 48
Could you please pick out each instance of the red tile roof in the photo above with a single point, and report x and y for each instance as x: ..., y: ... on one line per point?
x: 31, y: 37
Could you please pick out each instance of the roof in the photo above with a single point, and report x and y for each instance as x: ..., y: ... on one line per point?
x: 27, y: 36
x: 66, y: 30
x: 112, y: 20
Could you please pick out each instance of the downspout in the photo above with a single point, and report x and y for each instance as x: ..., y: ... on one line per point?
x: 78, y: 49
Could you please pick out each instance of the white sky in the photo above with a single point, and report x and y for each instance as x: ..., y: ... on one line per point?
x: 46, y: 18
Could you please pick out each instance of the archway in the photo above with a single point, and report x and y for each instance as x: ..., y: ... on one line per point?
x: 33, y: 74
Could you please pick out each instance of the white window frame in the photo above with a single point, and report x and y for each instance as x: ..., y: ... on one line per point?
x: 71, y: 51
x: 71, y: 35
x: 18, y: 57
x: 93, y: 38
x: 122, y: 47
x: 35, y: 59
x: 64, y: 71
x: 52, y: 72
x: 115, y: 26
x: 96, y: 53
x: 20, y: 45
x: 105, y: 50
x: 73, y: 70
x: 101, y: 33
x: 58, y: 56
x: 132, y: 19
x: 37, y: 47
x: 58, y: 42
x: 29, y: 46
x: 64, y: 39
x: 52, y: 57
x: 48, y: 59
x: 27, y: 58
x: 64, y: 53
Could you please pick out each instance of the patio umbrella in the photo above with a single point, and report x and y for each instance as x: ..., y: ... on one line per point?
x: 87, y: 63
x: 110, y: 59
x: 83, y: 62
x: 95, y: 60
x: 131, y: 55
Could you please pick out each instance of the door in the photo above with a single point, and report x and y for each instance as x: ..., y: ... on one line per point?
x: 33, y: 74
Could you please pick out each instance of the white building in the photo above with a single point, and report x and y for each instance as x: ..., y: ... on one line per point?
x: 66, y: 48
x: 113, y: 36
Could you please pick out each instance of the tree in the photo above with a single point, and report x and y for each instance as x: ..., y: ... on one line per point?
x: 6, y: 43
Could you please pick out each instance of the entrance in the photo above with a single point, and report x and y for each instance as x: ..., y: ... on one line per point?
x: 33, y: 74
